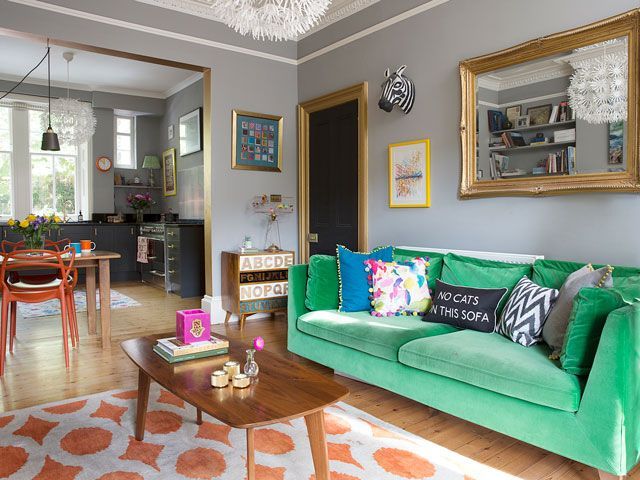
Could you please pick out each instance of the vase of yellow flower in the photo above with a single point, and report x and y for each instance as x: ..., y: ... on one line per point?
x: 34, y: 229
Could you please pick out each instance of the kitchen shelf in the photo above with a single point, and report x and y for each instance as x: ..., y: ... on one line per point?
x: 537, y: 127
x: 139, y: 187
x: 531, y: 147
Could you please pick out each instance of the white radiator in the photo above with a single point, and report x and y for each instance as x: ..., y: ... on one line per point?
x: 502, y: 257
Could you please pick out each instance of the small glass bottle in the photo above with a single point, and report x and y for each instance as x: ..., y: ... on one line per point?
x: 80, y: 217
x: 251, y: 367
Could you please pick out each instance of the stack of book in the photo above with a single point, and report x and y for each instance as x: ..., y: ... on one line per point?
x: 173, y: 350
x: 513, y: 139
x: 560, y: 162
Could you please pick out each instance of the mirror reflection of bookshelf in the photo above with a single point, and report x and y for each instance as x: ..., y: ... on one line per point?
x: 551, y: 146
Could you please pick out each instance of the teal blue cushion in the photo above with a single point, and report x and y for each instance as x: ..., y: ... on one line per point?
x: 354, y: 288
x: 495, y: 363
x: 378, y: 336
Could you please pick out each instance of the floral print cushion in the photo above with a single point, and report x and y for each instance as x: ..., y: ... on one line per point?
x: 398, y: 288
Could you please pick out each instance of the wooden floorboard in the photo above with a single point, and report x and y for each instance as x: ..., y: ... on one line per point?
x: 35, y: 374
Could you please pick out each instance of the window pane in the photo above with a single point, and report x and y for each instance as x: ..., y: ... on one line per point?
x: 5, y: 184
x: 123, y: 125
x: 123, y: 158
x: 5, y: 129
x: 123, y: 142
x: 35, y: 130
x: 65, y: 185
x: 42, y: 183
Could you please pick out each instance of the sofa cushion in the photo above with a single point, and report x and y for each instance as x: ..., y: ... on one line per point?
x: 322, y: 285
x: 495, y: 363
x: 553, y: 273
x: 354, y: 288
x: 378, y: 336
x: 479, y: 273
x: 436, y: 260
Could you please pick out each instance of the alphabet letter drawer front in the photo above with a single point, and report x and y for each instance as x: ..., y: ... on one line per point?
x: 255, y: 282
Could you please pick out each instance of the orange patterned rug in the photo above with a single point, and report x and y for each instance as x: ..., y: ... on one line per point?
x: 92, y: 438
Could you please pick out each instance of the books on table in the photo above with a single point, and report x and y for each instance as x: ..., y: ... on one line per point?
x: 173, y: 350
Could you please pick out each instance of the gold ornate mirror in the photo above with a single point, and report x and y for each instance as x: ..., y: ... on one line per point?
x: 554, y: 115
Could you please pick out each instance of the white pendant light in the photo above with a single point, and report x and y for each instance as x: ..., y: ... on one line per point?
x: 74, y: 120
x: 270, y: 19
x: 598, y: 87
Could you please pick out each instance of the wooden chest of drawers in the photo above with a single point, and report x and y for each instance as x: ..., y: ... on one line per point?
x: 255, y: 282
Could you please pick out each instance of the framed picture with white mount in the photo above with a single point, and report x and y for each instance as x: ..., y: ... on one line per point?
x: 190, y: 132
x: 104, y: 163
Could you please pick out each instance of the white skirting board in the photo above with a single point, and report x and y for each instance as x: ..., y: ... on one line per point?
x: 213, y: 305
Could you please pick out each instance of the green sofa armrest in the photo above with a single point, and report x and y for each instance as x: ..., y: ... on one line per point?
x: 610, y: 407
x: 296, y: 307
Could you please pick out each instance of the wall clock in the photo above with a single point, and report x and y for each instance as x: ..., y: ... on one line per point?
x: 104, y: 164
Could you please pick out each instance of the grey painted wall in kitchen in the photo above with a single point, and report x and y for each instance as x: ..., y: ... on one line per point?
x: 588, y: 227
x: 188, y: 203
x: 102, y: 187
x: 240, y: 81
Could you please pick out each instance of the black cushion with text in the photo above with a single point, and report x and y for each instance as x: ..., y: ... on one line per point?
x: 465, y: 307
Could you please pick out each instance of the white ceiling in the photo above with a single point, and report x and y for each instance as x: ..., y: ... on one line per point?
x: 89, y: 71
x: 338, y: 9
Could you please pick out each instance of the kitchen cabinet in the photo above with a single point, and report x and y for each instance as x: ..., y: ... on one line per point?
x: 185, y: 259
x: 120, y: 238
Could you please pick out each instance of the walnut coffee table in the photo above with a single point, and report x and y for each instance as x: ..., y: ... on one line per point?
x: 285, y: 390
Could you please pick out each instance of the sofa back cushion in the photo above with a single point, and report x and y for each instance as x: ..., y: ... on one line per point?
x: 479, y: 273
x: 353, y: 285
x: 436, y: 261
x: 590, y: 310
x: 322, y: 284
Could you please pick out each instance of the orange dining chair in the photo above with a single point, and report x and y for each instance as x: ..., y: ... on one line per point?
x: 60, y: 245
x: 18, y: 291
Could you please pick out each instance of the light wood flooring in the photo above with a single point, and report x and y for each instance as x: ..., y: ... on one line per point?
x: 35, y: 374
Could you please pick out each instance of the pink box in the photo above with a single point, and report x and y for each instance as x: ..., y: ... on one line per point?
x: 193, y: 326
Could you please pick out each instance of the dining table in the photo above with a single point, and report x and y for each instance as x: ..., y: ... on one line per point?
x: 91, y: 261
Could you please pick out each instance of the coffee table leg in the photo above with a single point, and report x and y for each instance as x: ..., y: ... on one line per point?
x: 251, y: 466
x: 198, y: 416
x: 318, y: 441
x: 143, y: 399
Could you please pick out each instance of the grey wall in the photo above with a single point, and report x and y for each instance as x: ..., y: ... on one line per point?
x: 588, y: 227
x: 240, y: 81
x: 102, y: 187
x: 188, y: 203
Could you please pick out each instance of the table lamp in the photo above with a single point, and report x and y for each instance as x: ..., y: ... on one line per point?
x: 152, y: 163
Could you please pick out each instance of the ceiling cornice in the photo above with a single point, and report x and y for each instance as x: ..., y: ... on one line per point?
x: 337, y: 11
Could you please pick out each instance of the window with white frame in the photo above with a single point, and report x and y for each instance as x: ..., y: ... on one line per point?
x: 53, y: 174
x: 33, y: 180
x: 125, y: 141
x: 6, y: 153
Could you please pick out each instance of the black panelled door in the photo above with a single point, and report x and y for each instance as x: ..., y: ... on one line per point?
x: 333, y: 178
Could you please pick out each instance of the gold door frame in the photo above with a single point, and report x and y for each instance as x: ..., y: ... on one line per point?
x: 359, y: 92
x: 624, y: 25
x: 206, y: 113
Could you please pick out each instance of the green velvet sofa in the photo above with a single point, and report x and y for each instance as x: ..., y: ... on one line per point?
x: 487, y: 379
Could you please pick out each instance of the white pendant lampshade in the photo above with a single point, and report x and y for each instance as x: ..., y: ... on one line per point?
x: 598, y: 87
x: 270, y: 19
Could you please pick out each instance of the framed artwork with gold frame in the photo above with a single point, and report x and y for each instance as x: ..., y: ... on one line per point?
x: 409, y: 174
x: 256, y: 142
x: 170, y: 178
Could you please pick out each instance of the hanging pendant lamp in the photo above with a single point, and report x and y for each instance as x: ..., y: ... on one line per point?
x: 49, y: 137
x: 74, y: 120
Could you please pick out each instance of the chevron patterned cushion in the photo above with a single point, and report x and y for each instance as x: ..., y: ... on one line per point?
x: 526, y: 311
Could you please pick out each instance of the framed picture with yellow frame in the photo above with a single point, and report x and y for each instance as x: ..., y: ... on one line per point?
x: 170, y: 180
x: 410, y: 174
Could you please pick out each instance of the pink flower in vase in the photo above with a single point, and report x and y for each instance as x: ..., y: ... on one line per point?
x: 258, y: 343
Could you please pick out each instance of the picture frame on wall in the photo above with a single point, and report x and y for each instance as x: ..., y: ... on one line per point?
x: 169, y: 174
x: 410, y: 174
x: 190, y: 131
x: 513, y: 112
x: 170, y: 132
x: 540, y: 114
x: 522, y: 121
x: 256, y: 142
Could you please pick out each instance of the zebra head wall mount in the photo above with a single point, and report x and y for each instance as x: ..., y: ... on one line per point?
x: 398, y: 90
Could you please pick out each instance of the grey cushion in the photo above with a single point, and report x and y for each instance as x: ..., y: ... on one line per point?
x: 555, y: 327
